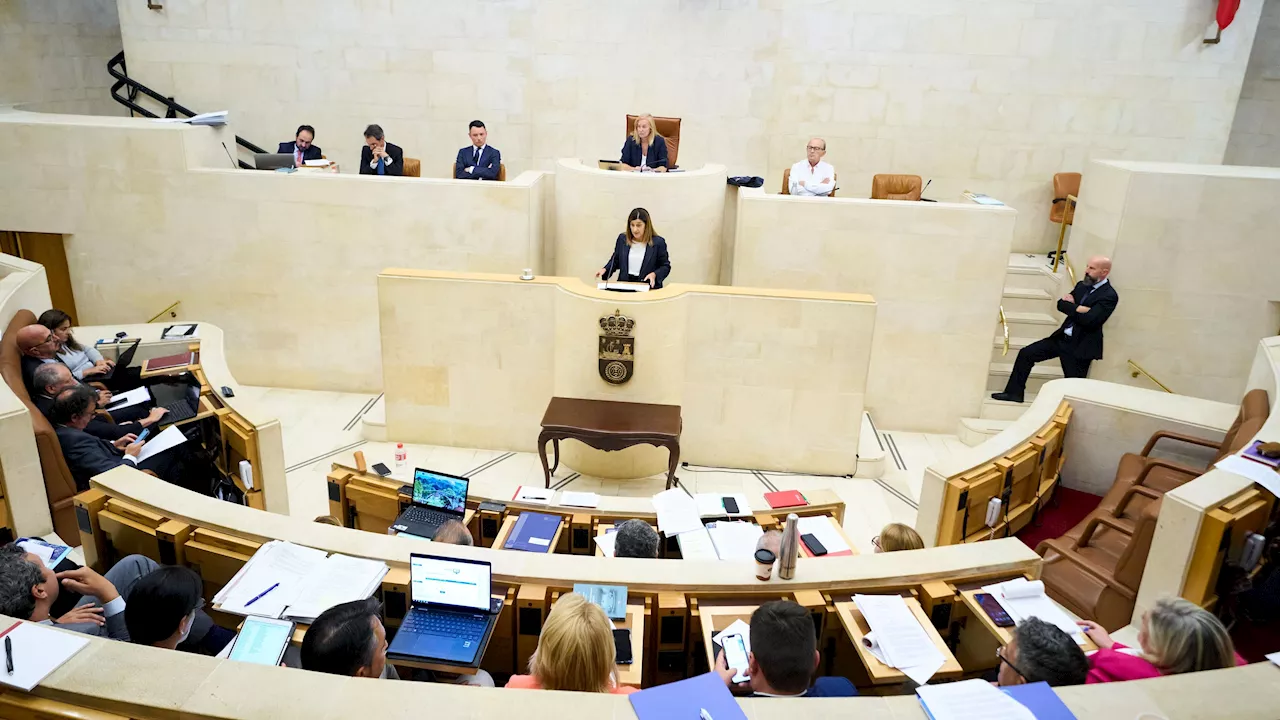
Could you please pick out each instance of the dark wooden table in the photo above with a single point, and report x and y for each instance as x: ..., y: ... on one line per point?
x: 608, y: 425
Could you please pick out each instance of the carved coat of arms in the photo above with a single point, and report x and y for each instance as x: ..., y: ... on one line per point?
x: 617, y: 348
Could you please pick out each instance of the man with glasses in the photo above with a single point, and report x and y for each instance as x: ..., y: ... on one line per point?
x: 38, y: 346
x: 1041, y: 651
x: 812, y: 177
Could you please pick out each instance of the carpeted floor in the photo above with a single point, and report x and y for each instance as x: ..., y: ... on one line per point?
x: 1067, y: 508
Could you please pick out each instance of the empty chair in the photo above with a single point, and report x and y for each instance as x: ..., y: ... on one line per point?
x: 669, y: 129
x: 413, y: 167
x: 1064, y: 184
x: 896, y: 187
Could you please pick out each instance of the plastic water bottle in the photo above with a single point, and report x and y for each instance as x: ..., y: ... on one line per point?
x: 401, y: 456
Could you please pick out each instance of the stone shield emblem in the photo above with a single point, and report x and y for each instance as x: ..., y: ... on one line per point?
x: 617, y: 349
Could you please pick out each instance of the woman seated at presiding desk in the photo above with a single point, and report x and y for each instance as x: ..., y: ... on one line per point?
x: 639, y: 254
x: 645, y: 150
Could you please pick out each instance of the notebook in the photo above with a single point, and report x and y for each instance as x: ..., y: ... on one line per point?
x: 612, y: 599
x: 1041, y: 700
x: 785, y: 499
x: 533, y: 532
x: 38, y: 651
x: 171, y: 361
x: 699, y: 696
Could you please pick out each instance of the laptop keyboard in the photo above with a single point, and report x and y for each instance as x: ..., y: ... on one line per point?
x: 464, y: 627
x: 178, y: 412
x: 426, y: 516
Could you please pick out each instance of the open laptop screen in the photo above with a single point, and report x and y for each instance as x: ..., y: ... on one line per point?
x: 440, y: 491
x: 443, y: 581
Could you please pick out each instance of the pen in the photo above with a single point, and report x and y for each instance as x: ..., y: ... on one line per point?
x: 8, y: 654
x: 702, y: 713
x: 261, y: 595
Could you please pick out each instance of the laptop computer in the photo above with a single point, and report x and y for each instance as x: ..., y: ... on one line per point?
x: 452, y: 614
x: 437, y: 498
x: 609, y: 165
x: 122, y: 361
x: 182, y: 400
x: 272, y: 161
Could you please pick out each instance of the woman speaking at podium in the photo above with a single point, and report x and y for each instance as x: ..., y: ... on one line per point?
x: 639, y: 255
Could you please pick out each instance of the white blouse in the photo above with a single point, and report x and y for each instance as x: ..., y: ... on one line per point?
x: 636, y: 258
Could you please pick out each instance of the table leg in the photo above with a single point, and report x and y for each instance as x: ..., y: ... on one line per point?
x: 673, y: 452
x: 555, y: 446
x: 542, y: 455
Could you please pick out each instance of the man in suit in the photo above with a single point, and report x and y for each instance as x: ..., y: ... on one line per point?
x: 477, y: 161
x: 53, y: 378
x: 301, y: 148
x: 28, y: 590
x: 73, y: 409
x: 784, y: 657
x: 39, y: 346
x: 348, y: 639
x: 379, y: 157
x: 1078, y: 342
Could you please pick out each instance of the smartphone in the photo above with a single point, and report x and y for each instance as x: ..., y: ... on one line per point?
x: 262, y: 641
x: 994, y: 610
x: 381, y: 469
x: 815, y: 546
x: 730, y: 505
x: 622, y: 645
x: 735, y: 655
x: 143, y: 435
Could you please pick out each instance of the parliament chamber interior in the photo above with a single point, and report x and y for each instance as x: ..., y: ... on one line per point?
x: 821, y: 386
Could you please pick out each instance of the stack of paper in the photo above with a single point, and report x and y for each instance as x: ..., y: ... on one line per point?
x: 287, y: 580
x: 533, y: 495
x: 38, y: 651
x: 820, y: 527
x: 48, y: 553
x: 136, y: 396
x: 712, y: 505
x: 696, y: 545
x: 677, y: 512
x: 341, y: 579
x: 1024, y: 599
x: 735, y: 540
x: 579, y: 499
x: 970, y: 699
x: 903, y: 643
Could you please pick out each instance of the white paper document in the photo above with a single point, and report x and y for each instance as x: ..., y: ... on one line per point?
x: 38, y: 651
x: 1257, y: 472
x: 136, y: 396
x: 1023, y: 599
x: 974, y: 699
x: 179, y: 331
x: 738, y: 627
x: 169, y: 437
x: 341, y: 578
x: 735, y: 540
x: 40, y: 550
x: 316, y: 163
x: 580, y: 499
x: 606, y: 543
x: 624, y: 286
x: 534, y: 495
x: 903, y: 641
x: 677, y: 512
x: 281, y: 570
x: 697, y: 545
x: 820, y: 527
x: 712, y: 504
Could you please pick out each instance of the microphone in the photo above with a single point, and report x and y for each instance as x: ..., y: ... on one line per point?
x: 926, y: 187
x: 234, y: 164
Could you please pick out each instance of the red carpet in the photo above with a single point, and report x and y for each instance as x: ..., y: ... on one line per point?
x: 1067, y: 508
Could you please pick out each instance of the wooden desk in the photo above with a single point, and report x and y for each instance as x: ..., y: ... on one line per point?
x: 853, y: 549
x: 633, y: 675
x: 856, y: 626
x: 608, y: 425
x: 509, y: 522
x: 1002, y: 634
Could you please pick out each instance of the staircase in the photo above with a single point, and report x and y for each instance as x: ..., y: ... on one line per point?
x: 1031, y: 294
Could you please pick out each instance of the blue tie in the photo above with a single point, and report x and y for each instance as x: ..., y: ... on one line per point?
x: 382, y: 167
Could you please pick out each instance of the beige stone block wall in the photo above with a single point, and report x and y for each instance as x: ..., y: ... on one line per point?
x: 54, y: 55
x: 936, y: 270
x: 1194, y: 253
x: 765, y: 379
x: 687, y: 209
x: 987, y: 96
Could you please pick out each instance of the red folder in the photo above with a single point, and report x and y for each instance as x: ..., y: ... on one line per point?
x: 785, y: 499
x: 171, y: 361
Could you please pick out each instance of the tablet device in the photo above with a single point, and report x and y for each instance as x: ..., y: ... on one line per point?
x: 262, y: 641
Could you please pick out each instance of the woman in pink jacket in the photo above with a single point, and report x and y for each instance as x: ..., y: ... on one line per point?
x: 1177, y: 636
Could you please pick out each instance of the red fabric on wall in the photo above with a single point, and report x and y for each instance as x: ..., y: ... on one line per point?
x: 1227, y: 12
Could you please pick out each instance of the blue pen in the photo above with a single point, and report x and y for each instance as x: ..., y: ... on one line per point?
x: 262, y: 595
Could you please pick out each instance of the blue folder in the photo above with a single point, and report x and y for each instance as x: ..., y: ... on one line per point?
x: 686, y: 699
x: 1041, y: 700
x: 533, y: 532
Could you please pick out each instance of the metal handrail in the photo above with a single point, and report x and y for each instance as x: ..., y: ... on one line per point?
x: 166, y: 311
x: 116, y: 67
x: 1137, y: 370
x: 1066, y: 210
x: 1004, y: 324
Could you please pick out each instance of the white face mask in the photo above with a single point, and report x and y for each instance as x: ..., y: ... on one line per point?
x: 189, y: 620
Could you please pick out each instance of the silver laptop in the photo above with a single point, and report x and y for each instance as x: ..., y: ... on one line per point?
x: 272, y: 161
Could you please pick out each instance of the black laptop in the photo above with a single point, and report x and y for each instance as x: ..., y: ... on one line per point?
x: 437, y: 498
x: 122, y: 361
x: 452, y: 615
x: 182, y: 400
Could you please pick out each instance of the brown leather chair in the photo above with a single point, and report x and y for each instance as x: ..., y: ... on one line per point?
x: 1064, y: 184
x: 896, y: 187
x: 413, y: 167
x: 1097, y: 576
x: 669, y: 129
x: 59, y: 485
x: 786, y: 183
x: 502, y: 171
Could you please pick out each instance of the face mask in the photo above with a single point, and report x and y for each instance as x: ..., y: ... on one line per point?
x: 190, y: 620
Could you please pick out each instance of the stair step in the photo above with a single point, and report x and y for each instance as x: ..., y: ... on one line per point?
x: 1040, y: 374
x: 1030, y: 318
x: 1027, y: 300
x: 1036, y: 277
x: 1015, y: 344
x: 975, y: 431
x: 993, y: 409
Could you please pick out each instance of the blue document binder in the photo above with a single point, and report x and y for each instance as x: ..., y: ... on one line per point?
x: 533, y: 532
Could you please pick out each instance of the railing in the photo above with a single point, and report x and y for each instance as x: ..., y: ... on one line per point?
x: 1068, y: 211
x: 1135, y: 370
x: 1005, y: 325
x: 116, y: 67
x: 167, y: 311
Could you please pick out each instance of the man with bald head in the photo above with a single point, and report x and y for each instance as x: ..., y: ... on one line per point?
x: 38, y: 346
x: 812, y: 176
x: 1078, y: 342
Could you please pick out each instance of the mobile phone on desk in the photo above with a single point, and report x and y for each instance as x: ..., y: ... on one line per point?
x: 381, y: 469
x: 994, y: 610
x: 622, y: 645
x: 735, y: 656
x: 730, y: 505
x: 262, y: 641
x: 815, y: 546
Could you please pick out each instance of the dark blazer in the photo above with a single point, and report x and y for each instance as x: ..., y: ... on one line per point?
x: 87, y: 455
x: 311, y: 153
x: 397, y: 161
x: 97, y: 427
x: 828, y: 686
x: 1085, y: 341
x: 29, y: 365
x: 655, y: 260
x: 657, y: 152
x: 486, y: 169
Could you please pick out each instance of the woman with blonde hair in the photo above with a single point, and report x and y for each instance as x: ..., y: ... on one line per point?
x: 575, y: 651
x: 645, y: 149
x: 1177, y: 636
x: 896, y: 536
x: 639, y: 253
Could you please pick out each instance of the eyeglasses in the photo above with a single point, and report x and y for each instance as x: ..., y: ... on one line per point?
x: 876, y: 541
x: 816, y: 149
x: 1000, y: 654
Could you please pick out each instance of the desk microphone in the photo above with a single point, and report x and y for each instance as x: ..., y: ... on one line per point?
x: 234, y: 164
x: 926, y: 187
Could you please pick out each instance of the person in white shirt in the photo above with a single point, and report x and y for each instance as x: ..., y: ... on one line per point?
x: 812, y: 176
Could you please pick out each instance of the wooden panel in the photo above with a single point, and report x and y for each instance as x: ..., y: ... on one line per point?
x: 50, y: 251
x: 16, y: 705
x: 1222, y: 534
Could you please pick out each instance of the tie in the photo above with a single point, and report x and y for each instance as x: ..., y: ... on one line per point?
x: 382, y: 167
x: 476, y: 159
x: 297, y: 156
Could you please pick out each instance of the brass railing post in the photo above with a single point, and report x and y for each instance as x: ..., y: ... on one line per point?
x: 1005, y: 325
x: 1137, y: 370
x: 168, y: 311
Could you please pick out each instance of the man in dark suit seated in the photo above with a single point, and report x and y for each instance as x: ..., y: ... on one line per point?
x: 38, y: 346
x: 379, y: 157
x: 1078, y: 342
x: 53, y: 378
x: 784, y: 656
x: 301, y: 148
x: 348, y: 639
x: 73, y: 409
x: 477, y: 161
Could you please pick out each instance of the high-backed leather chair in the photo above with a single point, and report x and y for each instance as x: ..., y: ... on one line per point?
x: 1097, y: 576
x: 502, y: 170
x: 59, y: 485
x: 1064, y: 184
x: 413, y: 167
x: 669, y: 129
x: 896, y: 187
x: 786, y: 183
